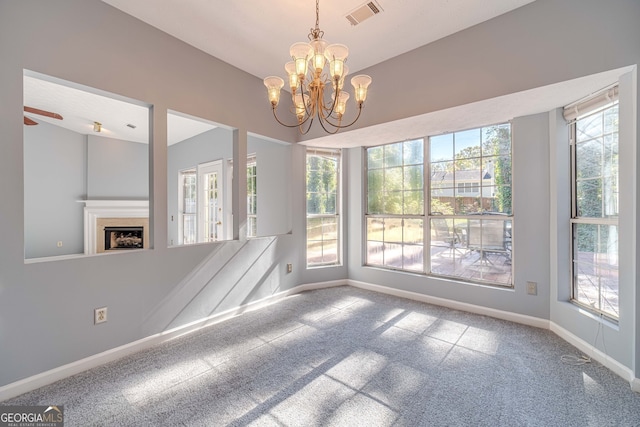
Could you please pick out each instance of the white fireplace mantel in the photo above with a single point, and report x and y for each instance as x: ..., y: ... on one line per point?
x: 94, y: 209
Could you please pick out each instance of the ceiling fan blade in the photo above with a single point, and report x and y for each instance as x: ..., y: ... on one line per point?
x: 29, y: 122
x: 43, y: 113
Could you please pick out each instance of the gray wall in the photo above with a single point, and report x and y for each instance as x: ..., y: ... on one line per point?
x: 117, y: 169
x: 46, y: 308
x: 63, y: 167
x: 49, y: 305
x: 274, y: 185
x: 206, y: 147
x: 54, y: 180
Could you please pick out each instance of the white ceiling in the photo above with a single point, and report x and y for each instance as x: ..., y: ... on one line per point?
x: 81, y: 106
x: 255, y: 35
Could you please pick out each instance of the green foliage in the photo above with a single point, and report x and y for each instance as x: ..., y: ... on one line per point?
x: 498, y: 144
x: 322, y: 184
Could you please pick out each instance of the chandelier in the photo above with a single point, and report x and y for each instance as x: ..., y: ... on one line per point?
x: 308, y: 80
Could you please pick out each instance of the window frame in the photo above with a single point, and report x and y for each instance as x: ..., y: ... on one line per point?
x: 384, y: 216
x: 576, y: 219
x: 427, y: 216
x: 336, y: 216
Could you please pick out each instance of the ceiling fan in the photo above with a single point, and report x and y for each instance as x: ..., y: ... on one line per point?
x: 30, y: 122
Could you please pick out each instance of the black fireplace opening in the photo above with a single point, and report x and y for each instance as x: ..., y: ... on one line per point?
x: 117, y: 238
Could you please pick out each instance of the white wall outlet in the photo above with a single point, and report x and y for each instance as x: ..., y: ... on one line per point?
x: 99, y: 315
x: 59, y: 243
x: 289, y: 268
x: 532, y: 288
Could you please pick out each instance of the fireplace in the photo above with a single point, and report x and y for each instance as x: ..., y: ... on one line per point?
x: 123, y: 238
x: 115, y: 225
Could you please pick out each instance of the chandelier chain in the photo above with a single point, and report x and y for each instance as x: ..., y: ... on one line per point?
x: 316, y: 33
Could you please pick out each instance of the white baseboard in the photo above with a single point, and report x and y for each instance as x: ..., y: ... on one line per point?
x: 42, y: 379
x: 456, y: 305
x: 594, y: 353
x: 36, y: 381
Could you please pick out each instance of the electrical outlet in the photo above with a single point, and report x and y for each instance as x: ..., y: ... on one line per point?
x: 532, y: 288
x: 289, y: 268
x: 60, y: 243
x: 99, y: 315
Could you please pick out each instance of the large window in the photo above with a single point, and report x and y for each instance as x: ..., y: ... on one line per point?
x: 323, y: 207
x: 468, y: 225
x: 470, y: 205
x: 395, y: 205
x: 594, y: 219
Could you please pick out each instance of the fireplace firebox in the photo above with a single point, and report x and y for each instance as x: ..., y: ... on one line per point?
x: 123, y: 238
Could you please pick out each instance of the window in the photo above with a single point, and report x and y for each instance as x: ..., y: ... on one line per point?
x: 252, y: 197
x: 470, y: 205
x: 395, y: 206
x: 594, y: 217
x: 201, y: 203
x: 323, y: 207
x: 468, y: 228
x: 187, y: 206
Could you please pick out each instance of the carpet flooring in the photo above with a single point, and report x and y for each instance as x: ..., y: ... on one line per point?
x: 348, y: 357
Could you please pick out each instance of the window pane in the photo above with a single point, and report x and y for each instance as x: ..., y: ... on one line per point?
x: 393, y: 202
x: 469, y: 167
x: 314, y: 203
x: 442, y: 202
x: 393, y: 179
x: 467, y: 143
x: 413, y: 257
x: 596, y: 267
x: 375, y: 156
x: 393, y: 155
x: 413, y: 231
x: 413, y: 152
x: 413, y: 202
x: 393, y: 230
x: 330, y: 228
x: 413, y: 177
x: 330, y: 252
x: 375, y: 229
x: 589, y: 127
x: 611, y: 120
x: 589, y: 159
x: 496, y: 140
x: 589, y: 193
x: 441, y: 147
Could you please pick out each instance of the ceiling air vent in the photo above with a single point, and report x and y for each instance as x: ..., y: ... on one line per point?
x: 363, y: 12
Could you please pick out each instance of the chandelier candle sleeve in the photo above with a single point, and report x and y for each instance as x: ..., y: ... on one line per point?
x: 274, y: 84
x: 308, y: 79
x: 337, y: 55
x: 360, y: 84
